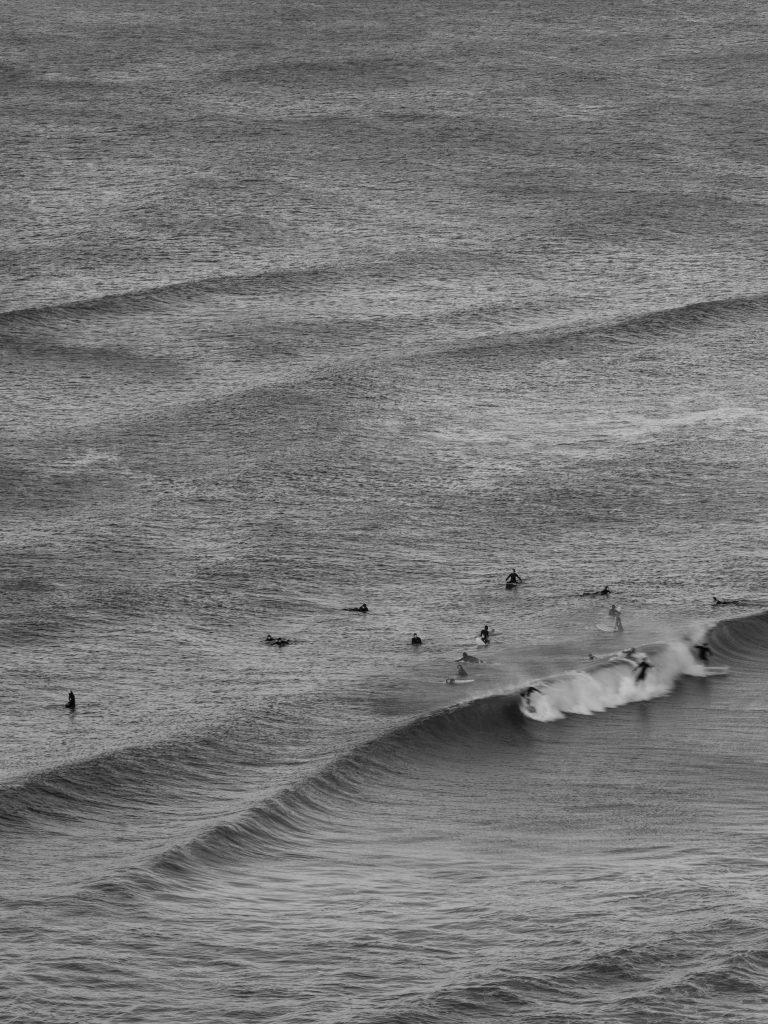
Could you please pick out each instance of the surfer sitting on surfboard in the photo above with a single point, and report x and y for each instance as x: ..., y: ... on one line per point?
x: 512, y: 580
x: 415, y: 639
x: 70, y: 701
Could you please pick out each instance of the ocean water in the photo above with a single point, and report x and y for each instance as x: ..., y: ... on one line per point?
x: 306, y: 305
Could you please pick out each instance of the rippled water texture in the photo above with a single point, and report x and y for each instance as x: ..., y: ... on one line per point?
x: 312, y: 306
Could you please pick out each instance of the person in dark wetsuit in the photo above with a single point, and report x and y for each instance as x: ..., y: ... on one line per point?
x: 362, y: 608
x: 461, y: 672
x: 469, y: 657
x: 702, y: 651
x: 512, y: 580
x: 485, y: 634
x: 642, y: 669
x: 416, y: 640
x: 70, y: 701
x: 596, y: 593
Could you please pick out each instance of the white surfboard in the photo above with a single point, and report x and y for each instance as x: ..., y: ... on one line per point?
x: 717, y: 670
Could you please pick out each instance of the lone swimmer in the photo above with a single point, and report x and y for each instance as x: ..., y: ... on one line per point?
x: 70, y: 701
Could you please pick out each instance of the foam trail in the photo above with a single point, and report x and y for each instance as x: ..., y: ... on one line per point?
x: 611, y: 683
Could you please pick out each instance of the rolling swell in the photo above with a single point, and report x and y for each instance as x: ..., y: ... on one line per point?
x: 282, y: 282
x: 149, y: 299
x: 299, y: 814
x: 135, y: 778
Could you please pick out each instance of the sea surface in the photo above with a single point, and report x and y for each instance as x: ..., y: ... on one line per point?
x: 310, y: 305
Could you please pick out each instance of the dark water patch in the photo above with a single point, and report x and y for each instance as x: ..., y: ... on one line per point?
x: 344, y: 71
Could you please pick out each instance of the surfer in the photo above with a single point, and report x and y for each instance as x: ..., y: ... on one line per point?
x: 702, y: 651
x: 726, y: 600
x: 363, y: 608
x: 643, y: 666
x: 485, y: 634
x: 469, y: 657
x: 615, y: 613
x: 70, y: 701
x: 527, y: 693
x: 415, y: 639
x: 512, y: 580
x: 596, y: 593
x: 461, y: 672
x: 276, y: 641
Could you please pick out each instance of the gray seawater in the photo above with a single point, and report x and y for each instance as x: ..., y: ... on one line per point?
x: 305, y: 305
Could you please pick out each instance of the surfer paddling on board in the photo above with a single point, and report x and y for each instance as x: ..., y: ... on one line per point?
x: 512, y: 580
x: 468, y: 657
x: 596, y: 593
x: 363, y: 608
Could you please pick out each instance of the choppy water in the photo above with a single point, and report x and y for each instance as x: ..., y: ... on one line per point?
x: 307, y: 306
